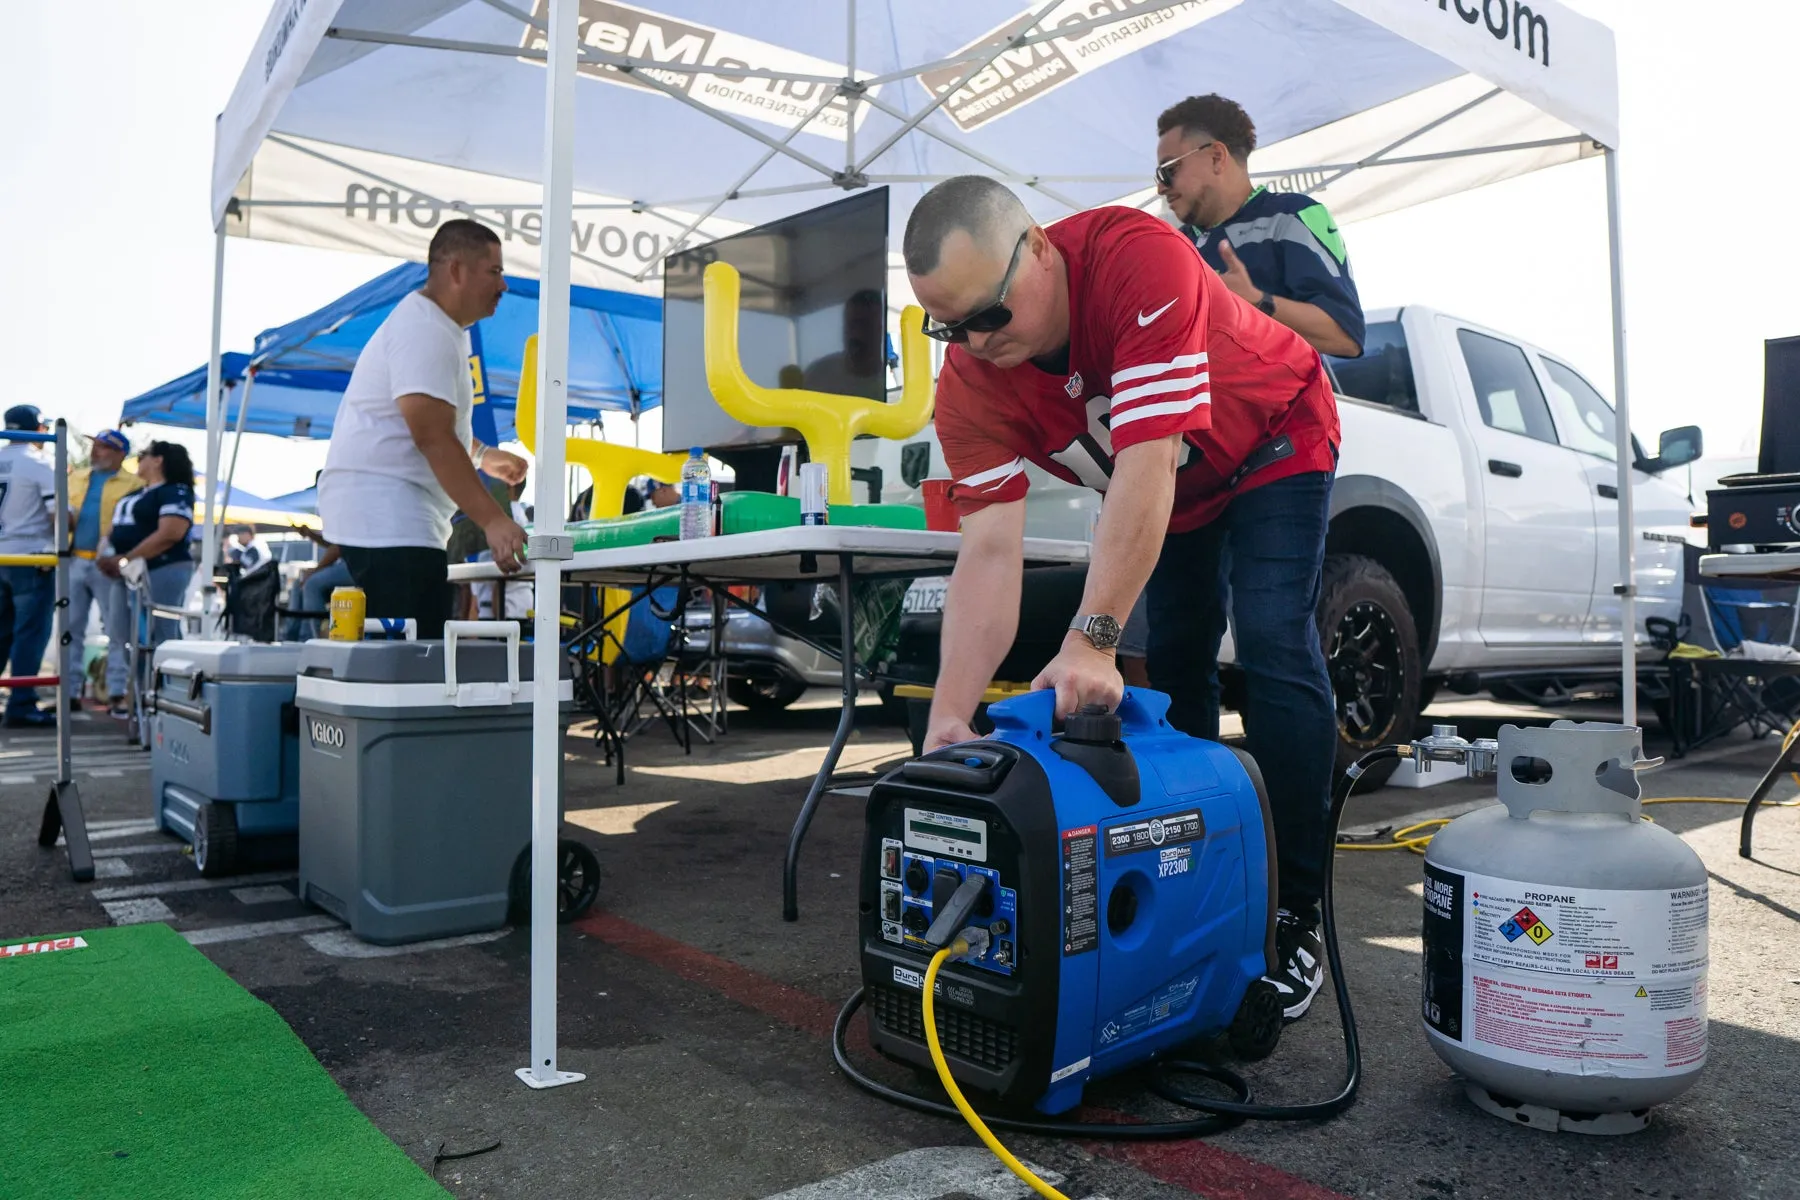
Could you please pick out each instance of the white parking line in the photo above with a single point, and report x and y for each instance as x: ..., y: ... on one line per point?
x: 341, y: 943
x: 115, y: 774
x: 189, y: 885
x: 137, y: 912
x: 215, y: 934
x: 272, y: 894
x: 145, y: 848
x: 925, y: 1175
x: 111, y: 868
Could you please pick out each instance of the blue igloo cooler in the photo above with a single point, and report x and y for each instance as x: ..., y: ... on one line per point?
x: 225, y: 751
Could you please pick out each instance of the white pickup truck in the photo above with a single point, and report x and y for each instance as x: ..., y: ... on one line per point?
x: 1473, y: 538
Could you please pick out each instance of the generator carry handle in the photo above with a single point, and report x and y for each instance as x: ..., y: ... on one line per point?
x: 475, y: 693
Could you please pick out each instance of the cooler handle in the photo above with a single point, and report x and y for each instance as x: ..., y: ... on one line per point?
x: 481, y: 693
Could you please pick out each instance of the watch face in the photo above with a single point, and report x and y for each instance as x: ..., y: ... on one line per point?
x: 1103, y: 631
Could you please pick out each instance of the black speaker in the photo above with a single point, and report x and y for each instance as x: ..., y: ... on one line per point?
x: 1780, y: 454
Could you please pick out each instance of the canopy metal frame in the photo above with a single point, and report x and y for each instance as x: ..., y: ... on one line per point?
x: 549, y: 544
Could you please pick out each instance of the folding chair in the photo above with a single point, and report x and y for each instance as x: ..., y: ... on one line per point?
x: 1714, y: 696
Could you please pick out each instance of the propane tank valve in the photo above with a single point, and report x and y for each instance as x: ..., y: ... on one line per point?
x: 1479, y: 758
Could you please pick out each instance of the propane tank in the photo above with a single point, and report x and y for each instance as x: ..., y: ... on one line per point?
x: 1565, y: 939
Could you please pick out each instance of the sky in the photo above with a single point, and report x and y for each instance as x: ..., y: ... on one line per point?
x: 110, y: 106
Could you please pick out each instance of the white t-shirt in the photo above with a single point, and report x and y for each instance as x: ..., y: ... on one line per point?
x: 27, y: 501
x: 377, y: 489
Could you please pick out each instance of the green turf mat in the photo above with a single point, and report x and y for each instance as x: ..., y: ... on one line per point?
x: 745, y: 512
x: 135, y: 1068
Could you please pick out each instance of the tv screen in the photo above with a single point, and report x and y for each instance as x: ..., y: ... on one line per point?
x: 813, y: 314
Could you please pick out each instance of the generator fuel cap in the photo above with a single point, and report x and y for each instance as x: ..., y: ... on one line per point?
x: 1093, y: 724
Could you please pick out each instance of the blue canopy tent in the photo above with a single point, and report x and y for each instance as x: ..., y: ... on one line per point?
x: 301, y: 368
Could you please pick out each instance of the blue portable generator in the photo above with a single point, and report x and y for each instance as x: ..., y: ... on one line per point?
x: 1128, y: 908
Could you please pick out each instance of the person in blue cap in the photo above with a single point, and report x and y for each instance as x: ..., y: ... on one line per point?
x: 27, y: 594
x: 94, y: 492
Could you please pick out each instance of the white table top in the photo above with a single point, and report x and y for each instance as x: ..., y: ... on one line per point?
x: 1779, y: 565
x: 777, y: 554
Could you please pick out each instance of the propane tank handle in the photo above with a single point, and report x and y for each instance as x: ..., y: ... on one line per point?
x: 1585, y: 767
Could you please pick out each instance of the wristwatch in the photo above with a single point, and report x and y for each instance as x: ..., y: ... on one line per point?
x: 1098, y: 628
x: 1267, y: 303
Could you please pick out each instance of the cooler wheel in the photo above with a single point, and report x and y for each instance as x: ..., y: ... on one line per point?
x: 577, y: 883
x: 215, y: 840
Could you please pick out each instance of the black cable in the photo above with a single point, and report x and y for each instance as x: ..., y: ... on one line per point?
x: 1320, y: 1109
x: 1220, y: 1114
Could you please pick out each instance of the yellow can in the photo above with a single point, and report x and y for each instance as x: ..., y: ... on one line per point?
x: 349, y: 606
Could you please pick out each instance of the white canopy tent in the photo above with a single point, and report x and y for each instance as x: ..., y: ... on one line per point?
x: 362, y: 124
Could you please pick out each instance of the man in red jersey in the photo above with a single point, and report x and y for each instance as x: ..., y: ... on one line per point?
x: 1104, y: 351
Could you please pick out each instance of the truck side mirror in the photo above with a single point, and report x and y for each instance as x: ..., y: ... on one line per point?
x: 1675, y: 448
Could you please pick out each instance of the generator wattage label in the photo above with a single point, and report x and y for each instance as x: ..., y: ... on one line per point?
x: 1136, y: 837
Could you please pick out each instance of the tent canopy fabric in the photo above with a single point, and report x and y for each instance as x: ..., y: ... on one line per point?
x: 302, y: 368
x: 365, y: 123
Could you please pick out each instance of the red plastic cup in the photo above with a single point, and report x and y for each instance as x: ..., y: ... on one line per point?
x: 940, y: 513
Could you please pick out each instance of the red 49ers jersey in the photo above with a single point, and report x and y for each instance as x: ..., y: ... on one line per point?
x: 1158, y: 345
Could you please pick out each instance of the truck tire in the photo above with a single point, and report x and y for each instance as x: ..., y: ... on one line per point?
x: 1372, y: 656
x: 767, y: 695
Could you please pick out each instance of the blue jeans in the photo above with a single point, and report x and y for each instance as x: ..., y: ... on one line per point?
x: 1260, y: 561
x: 27, y: 604
x: 168, y: 587
x: 315, y: 596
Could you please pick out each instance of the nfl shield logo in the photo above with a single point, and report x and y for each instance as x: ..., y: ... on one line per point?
x: 1073, y: 387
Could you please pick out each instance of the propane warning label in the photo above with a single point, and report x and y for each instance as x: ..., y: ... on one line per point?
x: 1081, y: 890
x: 1585, y: 979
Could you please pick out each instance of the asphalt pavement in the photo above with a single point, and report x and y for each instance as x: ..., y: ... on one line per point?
x: 702, y: 1020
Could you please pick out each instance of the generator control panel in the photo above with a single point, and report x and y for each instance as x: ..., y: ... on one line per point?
x: 914, y: 882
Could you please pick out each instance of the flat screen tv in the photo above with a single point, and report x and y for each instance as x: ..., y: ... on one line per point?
x: 813, y: 314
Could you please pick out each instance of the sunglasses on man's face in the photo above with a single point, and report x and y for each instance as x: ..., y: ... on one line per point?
x: 1165, y: 170
x: 987, y: 319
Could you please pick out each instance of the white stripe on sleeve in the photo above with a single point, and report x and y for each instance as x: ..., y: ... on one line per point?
x: 1166, y: 408
x: 1156, y: 387
x: 1182, y: 362
x: 994, y: 477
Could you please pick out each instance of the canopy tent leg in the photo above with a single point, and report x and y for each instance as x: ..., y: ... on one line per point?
x: 237, y: 442
x: 1627, y: 586
x: 549, y: 545
x: 215, y: 419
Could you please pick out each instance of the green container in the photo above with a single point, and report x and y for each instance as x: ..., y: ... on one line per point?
x: 745, y: 512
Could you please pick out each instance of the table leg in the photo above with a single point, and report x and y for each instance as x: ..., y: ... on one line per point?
x: 1783, y: 762
x: 790, y: 902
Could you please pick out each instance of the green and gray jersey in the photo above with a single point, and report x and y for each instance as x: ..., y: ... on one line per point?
x: 1291, y: 247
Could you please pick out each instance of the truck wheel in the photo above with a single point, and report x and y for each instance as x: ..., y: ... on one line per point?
x: 1372, y: 654
x: 765, y: 695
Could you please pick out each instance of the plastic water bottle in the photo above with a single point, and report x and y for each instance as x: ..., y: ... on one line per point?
x: 696, y: 496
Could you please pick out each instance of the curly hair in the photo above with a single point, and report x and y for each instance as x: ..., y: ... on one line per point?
x: 1212, y: 116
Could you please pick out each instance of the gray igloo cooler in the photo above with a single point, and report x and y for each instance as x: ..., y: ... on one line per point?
x: 415, y: 784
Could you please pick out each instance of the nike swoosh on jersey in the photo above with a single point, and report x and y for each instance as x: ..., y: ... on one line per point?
x: 1144, y: 320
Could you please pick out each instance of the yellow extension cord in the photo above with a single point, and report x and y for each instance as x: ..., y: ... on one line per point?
x: 959, y: 946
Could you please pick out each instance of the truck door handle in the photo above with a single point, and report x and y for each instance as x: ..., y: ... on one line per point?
x: 1501, y: 467
x: 1609, y: 491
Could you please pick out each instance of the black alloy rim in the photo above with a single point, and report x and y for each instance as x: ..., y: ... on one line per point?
x: 1368, y: 674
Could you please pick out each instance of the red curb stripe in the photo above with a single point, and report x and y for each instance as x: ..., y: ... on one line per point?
x: 1202, y: 1168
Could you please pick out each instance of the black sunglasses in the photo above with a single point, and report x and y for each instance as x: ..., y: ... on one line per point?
x: 1165, y: 171
x: 982, y: 320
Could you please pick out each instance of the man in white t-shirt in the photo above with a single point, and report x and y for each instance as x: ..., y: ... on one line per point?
x: 27, y: 594
x: 402, y: 457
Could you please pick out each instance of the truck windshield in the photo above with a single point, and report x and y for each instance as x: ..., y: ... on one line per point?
x: 1383, y: 375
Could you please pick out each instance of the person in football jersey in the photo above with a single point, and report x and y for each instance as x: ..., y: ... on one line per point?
x: 1281, y: 251
x: 1104, y: 351
x: 27, y: 594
